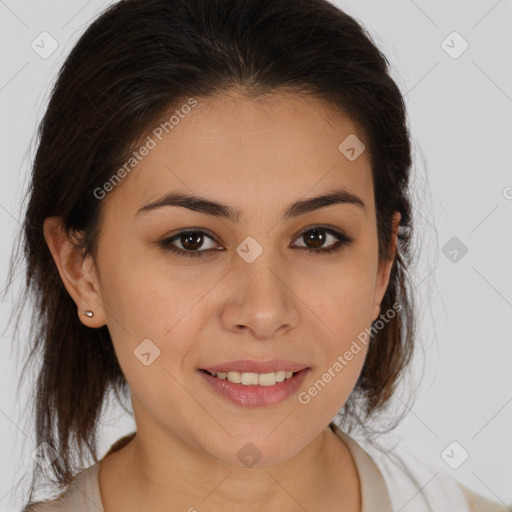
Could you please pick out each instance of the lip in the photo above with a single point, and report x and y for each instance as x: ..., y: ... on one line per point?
x: 249, y: 366
x: 255, y: 396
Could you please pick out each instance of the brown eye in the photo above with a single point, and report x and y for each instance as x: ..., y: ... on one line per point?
x: 316, y: 237
x: 190, y: 242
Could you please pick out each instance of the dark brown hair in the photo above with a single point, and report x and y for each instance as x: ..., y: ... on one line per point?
x: 135, y: 63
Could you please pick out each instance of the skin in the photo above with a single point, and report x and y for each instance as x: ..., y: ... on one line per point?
x: 258, y: 157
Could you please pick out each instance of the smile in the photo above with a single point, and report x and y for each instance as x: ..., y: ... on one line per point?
x: 254, y: 379
x: 254, y: 389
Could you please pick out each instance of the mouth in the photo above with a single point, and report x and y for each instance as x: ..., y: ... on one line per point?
x: 254, y: 379
x: 251, y: 383
x: 250, y: 389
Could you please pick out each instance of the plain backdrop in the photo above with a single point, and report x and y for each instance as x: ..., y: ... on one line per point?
x: 452, y: 61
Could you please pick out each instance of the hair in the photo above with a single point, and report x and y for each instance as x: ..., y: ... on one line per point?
x: 137, y: 61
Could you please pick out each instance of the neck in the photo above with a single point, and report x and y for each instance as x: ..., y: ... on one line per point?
x: 160, y: 471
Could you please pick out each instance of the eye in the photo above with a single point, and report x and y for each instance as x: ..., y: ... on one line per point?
x: 192, y: 240
x: 318, y: 235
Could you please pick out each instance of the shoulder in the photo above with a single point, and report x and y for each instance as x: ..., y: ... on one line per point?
x: 81, y: 495
x: 478, y: 503
x: 415, y: 485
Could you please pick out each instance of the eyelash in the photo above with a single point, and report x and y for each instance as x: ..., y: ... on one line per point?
x: 342, y: 240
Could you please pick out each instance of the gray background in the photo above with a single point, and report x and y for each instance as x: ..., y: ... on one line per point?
x: 460, y: 109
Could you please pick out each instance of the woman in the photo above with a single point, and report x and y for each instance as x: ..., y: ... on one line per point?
x: 219, y: 222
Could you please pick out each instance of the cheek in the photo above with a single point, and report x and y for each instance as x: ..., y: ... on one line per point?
x: 343, y: 295
x: 344, y: 310
x: 143, y: 307
x: 344, y: 306
x: 152, y: 334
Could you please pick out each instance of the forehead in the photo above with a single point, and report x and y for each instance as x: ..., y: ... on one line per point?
x: 250, y: 153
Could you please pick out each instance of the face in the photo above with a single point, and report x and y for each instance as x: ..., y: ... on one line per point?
x: 258, y: 286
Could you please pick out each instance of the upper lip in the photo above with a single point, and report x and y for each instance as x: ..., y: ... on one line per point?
x: 248, y: 366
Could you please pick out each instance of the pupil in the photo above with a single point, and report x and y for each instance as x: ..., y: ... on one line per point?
x: 316, y: 239
x: 189, y: 239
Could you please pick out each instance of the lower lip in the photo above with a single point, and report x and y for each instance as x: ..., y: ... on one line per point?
x: 255, y: 396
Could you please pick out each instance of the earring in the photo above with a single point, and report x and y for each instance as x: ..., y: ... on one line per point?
x: 88, y: 313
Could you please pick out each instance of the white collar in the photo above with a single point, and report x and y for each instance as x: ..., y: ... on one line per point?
x: 398, y: 476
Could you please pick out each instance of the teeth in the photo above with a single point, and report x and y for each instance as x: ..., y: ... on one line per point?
x: 253, y: 379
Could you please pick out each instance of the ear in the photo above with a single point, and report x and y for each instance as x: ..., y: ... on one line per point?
x: 384, y: 269
x: 78, y: 274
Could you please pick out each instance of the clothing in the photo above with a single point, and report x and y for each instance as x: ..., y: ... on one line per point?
x: 400, y: 482
x: 397, y: 482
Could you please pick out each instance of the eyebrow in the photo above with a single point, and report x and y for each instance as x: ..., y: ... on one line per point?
x: 209, y: 207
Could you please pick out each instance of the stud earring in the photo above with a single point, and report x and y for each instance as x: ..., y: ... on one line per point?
x: 88, y: 313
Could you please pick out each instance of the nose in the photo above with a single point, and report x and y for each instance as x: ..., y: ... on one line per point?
x: 261, y: 299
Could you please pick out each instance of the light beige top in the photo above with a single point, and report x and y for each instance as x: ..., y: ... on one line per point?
x: 83, y: 494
